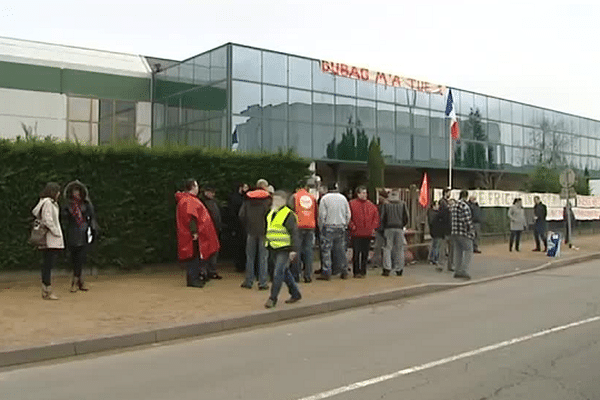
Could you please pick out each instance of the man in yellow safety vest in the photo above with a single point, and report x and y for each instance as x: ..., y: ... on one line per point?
x: 281, y: 240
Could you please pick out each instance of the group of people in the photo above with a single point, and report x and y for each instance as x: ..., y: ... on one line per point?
x: 518, y: 223
x: 72, y: 225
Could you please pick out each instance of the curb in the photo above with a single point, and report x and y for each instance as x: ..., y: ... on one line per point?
x: 16, y: 356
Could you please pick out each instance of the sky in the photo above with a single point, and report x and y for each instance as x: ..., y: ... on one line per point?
x: 538, y: 52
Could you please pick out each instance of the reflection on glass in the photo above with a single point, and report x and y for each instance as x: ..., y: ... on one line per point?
x: 275, y: 68
x: 387, y: 144
x: 528, y: 116
x: 493, y: 108
x: 301, y: 138
x: 420, y: 148
x: 274, y: 102
x: 506, y: 134
x: 403, y: 97
x: 300, y: 105
x: 218, y: 64
x: 322, y: 81
x: 517, y: 135
x: 186, y: 73
x: 366, y: 113
x: 345, y: 110
x: 439, y: 148
x: 201, y: 66
x: 249, y: 133
x: 517, y: 113
x: 438, y: 102
x: 493, y: 132
x: 480, y: 103
x: 245, y: 96
x: 322, y: 136
x: 438, y: 124
x: 274, y: 135
x: 323, y: 109
x: 345, y: 86
x: 403, y: 147
x: 505, y: 111
x: 366, y: 89
x: 385, y: 117
x: 517, y: 157
x: 421, y: 126
x: 300, y: 72
x: 385, y: 93
x: 404, y: 120
x: 421, y: 99
x: 466, y: 102
x: 246, y: 64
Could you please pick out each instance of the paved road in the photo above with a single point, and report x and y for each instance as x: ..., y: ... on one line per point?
x: 307, y: 359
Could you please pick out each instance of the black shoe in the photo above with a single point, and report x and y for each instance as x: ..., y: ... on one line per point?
x: 439, y: 269
x: 297, y: 279
x: 536, y: 250
x: 293, y: 300
x: 246, y: 286
x: 399, y: 273
x: 270, y: 303
x: 198, y: 283
x: 462, y: 276
x: 451, y: 269
x: 344, y: 276
x: 477, y: 251
x: 323, y: 277
x: 319, y: 271
x: 215, y: 276
x: 307, y: 280
x: 386, y: 272
x: 266, y: 287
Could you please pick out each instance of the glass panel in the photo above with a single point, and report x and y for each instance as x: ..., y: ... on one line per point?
x: 439, y: 148
x: 421, y: 148
x: 387, y: 143
x: 345, y: 110
x: 517, y: 156
x: 300, y: 73
x: 385, y: 117
x: 517, y: 113
x: 438, y: 125
x: 274, y: 102
x: 422, y: 99
x: 517, y: 135
x: 244, y: 96
x: 505, y: 111
x: 385, y: 93
x: 323, y: 108
x: 345, y: 86
x: 186, y: 72
x: 438, y: 102
x: 324, y: 145
x: 421, y: 124
x: 505, y: 134
x: 538, y: 115
x: 300, y: 105
x: 403, y: 147
x: 366, y: 114
x: 322, y: 81
x: 402, y: 96
x: 493, y: 131
x: 301, y: 138
x: 218, y: 64
x: 480, y: 103
x: 246, y: 63
x: 249, y: 133
x: 104, y: 132
x: 493, y: 108
x: 274, y: 135
x: 201, y: 65
x: 275, y: 68
x: 466, y: 102
x: 159, y: 116
x: 528, y: 116
x: 474, y: 154
x: 106, y: 108
x: 584, y: 127
x: 366, y: 89
x: 403, y: 120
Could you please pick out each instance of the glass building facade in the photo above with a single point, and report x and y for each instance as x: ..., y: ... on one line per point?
x: 265, y: 101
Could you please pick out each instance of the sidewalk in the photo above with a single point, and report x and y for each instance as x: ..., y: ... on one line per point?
x: 119, y: 304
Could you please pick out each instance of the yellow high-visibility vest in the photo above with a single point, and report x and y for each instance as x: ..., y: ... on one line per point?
x: 277, y: 234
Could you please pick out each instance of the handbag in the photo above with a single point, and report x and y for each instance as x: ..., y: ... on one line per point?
x: 37, y: 237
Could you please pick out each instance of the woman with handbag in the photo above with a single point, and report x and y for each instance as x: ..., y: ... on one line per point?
x: 518, y: 223
x: 47, y: 212
x: 80, y: 224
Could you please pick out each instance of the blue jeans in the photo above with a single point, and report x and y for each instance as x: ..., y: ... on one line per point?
x: 539, y: 234
x: 333, y: 247
x: 305, y: 257
x: 254, y: 245
x: 434, y: 253
x: 282, y: 274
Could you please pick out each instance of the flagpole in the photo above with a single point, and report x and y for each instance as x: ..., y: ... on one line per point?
x: 449, y: 157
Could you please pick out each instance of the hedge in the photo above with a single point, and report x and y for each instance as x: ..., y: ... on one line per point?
x: 132, y: 189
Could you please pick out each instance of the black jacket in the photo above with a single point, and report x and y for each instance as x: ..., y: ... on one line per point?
x: 77, y: 235
x: 540, y: 211
x: 215, y: 213
x: 445, y: 217
x: 475, y: 212
x: 436, y: 223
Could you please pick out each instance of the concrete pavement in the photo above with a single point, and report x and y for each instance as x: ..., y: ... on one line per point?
x: 102, y: 323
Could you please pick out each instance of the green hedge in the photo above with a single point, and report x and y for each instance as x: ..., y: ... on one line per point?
x: 132, y: 189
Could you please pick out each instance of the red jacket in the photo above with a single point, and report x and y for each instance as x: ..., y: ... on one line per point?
x: 364, y: 218
x: 189, y: 208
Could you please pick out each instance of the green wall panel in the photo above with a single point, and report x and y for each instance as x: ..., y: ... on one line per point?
x: 29, y: 77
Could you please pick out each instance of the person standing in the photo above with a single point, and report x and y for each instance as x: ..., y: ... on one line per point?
x: 477, y: 220
x: 379, y: 239
x: 518, y: 223
x: 334, y: 217
x: 47, y: 211
x: 236, y: 199
x: 394, y: 217
x: 253, y: 215
x: 212, y: 206
x: 281, y: 240
x: 446, y: 222
x: 80, y: 224
x: 462, y: 235
x: 364, y: 220
x: 305, y: 207
x: 196, y: 236
x: 539, y: 230
x: 436, y: 231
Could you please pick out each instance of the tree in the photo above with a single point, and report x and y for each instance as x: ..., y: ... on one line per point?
x: 475, y: 153
x: 376, y: 166
x: 549, y: 145
x: 582, y: 185
x: 544, y: 180
x: 351, y: 147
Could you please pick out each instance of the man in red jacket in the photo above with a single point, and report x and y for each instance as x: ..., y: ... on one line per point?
x: 363, y: 222
x: 197, y: 238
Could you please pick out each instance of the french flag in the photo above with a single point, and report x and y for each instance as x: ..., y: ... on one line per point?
x: 451, y: 113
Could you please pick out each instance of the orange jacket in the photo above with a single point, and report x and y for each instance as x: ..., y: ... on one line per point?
x: 305, y: 206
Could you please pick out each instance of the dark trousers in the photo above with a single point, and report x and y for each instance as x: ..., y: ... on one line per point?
x: 193, y: 265
x: 539, y: 234
x: 239, y: 249
x: 360, y: 249
x: 209, y: 267
x: 515, y: 237
x: 50, y: 257
x: 78, y: 258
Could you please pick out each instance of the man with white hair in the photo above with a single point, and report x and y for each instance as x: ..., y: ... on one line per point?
x: 281, y: 240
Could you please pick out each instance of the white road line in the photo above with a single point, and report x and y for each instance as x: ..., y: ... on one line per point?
x: 411, y: 370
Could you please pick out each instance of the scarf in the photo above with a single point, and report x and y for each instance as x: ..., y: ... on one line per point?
x: 76, y: 212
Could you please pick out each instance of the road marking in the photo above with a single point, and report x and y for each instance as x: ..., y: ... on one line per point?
x: 411, y: 370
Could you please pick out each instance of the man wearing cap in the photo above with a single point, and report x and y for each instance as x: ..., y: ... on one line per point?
x: 334, y: 217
